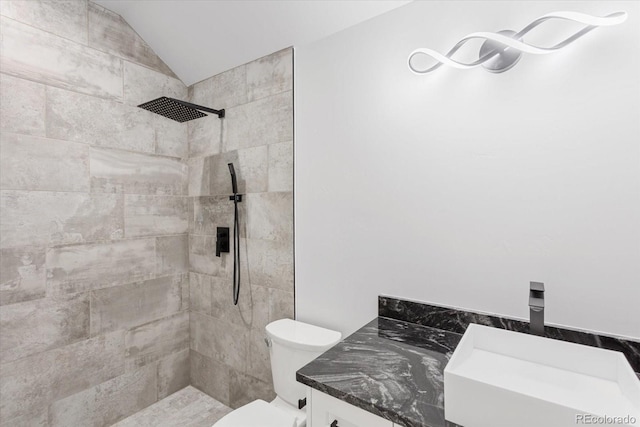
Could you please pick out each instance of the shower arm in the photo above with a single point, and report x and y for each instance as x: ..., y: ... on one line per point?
x: 219, y: 113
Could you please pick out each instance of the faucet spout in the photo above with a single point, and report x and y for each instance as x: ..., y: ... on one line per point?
x: 536, y: 308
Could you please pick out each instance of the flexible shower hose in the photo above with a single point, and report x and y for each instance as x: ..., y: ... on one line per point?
x: 236, y: 252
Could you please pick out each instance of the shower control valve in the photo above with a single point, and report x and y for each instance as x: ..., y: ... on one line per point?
x: 222, y: 240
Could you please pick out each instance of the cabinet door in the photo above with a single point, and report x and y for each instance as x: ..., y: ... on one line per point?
x: 326, y: 410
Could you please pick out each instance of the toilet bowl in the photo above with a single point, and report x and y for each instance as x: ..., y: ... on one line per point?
x: 292, y: 345
x: 261, y: 414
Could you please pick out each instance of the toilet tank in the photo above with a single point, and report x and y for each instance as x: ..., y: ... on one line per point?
x: 293, y: 345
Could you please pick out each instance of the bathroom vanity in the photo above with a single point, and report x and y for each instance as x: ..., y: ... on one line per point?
x: 390, y: 372
x: 327, y: 410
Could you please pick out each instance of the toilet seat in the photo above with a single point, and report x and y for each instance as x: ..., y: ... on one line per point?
x: 257, y: 414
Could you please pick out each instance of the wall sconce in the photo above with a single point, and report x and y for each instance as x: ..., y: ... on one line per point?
x: 502, y: 50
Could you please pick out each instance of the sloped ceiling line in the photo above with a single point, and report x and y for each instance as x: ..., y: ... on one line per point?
x: 198, y: 39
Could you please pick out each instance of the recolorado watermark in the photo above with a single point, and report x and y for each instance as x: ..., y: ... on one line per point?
x: 605, y: 420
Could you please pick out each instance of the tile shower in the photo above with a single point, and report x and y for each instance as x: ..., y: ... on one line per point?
x: 229, y: 359
x: 112, y: 297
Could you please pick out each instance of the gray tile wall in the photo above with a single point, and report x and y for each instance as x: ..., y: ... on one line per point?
x: 109, y: 212
x: 94, y: 277
x: 229, y: 359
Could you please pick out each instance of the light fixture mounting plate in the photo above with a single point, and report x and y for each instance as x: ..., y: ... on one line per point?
x: 505, y: 59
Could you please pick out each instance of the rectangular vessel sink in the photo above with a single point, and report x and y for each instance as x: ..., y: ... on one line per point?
x: 499, y: 378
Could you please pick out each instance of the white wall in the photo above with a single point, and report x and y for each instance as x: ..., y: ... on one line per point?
x: 460, y: 187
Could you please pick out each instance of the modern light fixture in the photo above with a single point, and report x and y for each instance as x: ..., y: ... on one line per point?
x: 503, y: 49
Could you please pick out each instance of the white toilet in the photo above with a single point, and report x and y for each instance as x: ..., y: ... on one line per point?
x: 292, y: 345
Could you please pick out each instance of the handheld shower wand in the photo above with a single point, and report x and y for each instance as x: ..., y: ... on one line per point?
x: 236, y: 234
x: 234, y: 183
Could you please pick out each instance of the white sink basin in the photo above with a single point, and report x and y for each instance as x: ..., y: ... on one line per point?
x: 499, y: 378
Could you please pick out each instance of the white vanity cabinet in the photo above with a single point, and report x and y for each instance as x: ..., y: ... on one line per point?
x: 323, y: 410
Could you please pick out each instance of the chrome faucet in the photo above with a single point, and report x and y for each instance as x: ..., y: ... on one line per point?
x: 536, y: 308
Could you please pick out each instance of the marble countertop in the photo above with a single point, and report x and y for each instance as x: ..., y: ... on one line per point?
x: 389, y: 367
x: 394, y: 365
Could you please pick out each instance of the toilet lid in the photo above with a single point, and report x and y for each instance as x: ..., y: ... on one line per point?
x: 257, y: 414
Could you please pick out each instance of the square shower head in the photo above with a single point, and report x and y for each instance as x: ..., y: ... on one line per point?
x: 172, y: 109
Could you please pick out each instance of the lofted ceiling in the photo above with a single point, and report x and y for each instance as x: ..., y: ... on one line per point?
x: 201, y: 38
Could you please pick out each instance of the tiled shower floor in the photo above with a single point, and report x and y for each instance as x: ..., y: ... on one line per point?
x: 188, y: 407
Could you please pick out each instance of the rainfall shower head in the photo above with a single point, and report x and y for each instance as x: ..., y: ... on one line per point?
x: 177, y: 110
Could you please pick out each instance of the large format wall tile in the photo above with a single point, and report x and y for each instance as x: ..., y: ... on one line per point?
x: 224, y: 90
x: 34, y: 163
x: 200, y: 288
x: 219, y: 340
x: 244, y: 389
x: 34, y: 326
x: 199, y: 178
x: 259, y: 363
x: 22, y: 106
x: 270, y: 75
x: 110, y: 33
x: 122, y: 171
x: 210, y: 376
x: 153, y: 341
x: 170, y: 136
x: 172, y: 255
x: 64, y: 18
x: 266, y: 121
x: 27, y: 52
x: 281, y: 166
x: 154, y: 215
x: 100, y: 122
x: 213, y: 296
x: 22, y: 274
x: 131, y: 305
x: 228, y: 356
x: 210, y: 213
x: 109, y: 402
x: 80, y: 166
x: 252, y: 310
x: 35, y: 418
x: 270, y: 262
x: 186, y: 304
x: 270, y: 216
x: 202, y: 257
x: 44, y: 218
x: 205, y: 136
x: 30, y: 384
x: 81, y: 268
x: 220, y: 178
x: 185, y: 293
x: 173, y: 372
x: 281, y: 304
x: 251, y: 169
x: 104, y: 123
x: 142, y: 84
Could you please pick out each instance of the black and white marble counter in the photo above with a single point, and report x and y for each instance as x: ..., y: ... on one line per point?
x: 394, y: 365
x: 457, y: 320
x: 389, y: 367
